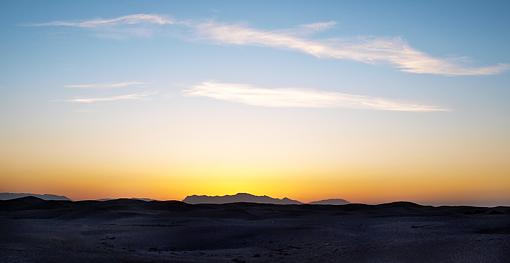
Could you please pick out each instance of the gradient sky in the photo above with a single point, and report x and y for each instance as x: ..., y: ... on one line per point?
x: 372, y: 102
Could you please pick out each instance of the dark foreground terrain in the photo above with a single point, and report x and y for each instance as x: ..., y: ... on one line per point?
x: 123, y: 230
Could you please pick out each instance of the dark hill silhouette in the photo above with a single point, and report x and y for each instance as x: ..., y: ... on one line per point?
x: 335, y: 201
x: 31, y: 203
x: 234, y: 209
x: 132, y: 198
x: 401, y: 204
x: 238, y: 198
x: 8, y: 196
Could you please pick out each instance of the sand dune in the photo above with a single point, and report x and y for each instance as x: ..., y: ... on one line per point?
x: 127, y: 230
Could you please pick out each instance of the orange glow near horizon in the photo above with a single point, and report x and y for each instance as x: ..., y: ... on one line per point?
x: 354, y: 184
x: 331, y: 100
x: 307, y: 158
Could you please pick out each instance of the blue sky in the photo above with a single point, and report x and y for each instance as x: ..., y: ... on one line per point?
x: 426, y: 72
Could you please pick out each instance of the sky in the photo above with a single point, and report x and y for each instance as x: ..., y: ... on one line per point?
x: 368, y: 101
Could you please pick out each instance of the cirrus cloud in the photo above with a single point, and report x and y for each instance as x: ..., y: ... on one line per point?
x: 124, y: 97
x: 370, y: 50
x: 124, y: 84
x: 123, y: 20
x: 299, y: 98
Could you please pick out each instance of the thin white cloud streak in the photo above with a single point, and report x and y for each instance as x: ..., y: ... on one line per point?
x: 125, y: 84
x: 305, y: 29
x: 319, y: 26
x: 125, y: 97
x: 299, y: 98
x: 369, y: 50
x: 123, y: 20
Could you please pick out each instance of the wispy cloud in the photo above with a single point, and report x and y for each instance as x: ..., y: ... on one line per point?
x: 125, y: 84
x: 304, y: 30
x: 123, y: 20
x: 319, y: 26
x: 370, y: 50
x: 132, y: 96
x: 299, y: 98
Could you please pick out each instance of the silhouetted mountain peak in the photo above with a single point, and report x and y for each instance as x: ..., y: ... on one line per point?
x: 244, y: 194
x: 237, y: 198
x: 334, y: 201
x: 9, y: 196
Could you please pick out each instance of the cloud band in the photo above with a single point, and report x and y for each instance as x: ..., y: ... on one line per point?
x: 299, y: 98
x: 370, y: 50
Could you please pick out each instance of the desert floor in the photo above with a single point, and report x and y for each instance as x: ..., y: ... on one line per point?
x: 33, y: 230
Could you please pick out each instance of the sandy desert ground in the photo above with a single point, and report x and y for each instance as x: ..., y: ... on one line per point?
x: 123, y: 230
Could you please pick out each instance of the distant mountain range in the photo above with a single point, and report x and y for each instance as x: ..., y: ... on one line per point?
x: 237, y: 198
x: 196, y: 199
x: 249, y: 198
x: 336, y: 201
x: 9, y: 196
